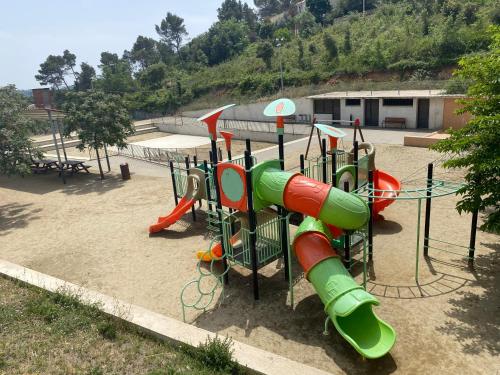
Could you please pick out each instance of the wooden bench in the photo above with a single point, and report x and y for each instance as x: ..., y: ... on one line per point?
x: 390, y: 122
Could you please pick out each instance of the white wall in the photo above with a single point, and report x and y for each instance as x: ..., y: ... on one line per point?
x: 253, y: 112
x: 436, y: 106
x: 355, y: 111
x: 407, y: 112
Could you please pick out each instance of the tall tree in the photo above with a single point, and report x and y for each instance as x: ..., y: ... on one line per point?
x: 319, y: 9
x: 475, y: 146
x: 99, y: 119
x: 69, y: 62
x: 265, y: 52
x: 144, y: 52
x: 331, y: 46
x: 116, y: 74
x: 52, y: 72
x: 85, y: 78
x: 225, y: 40
x: 172, y: 30
x: 15, y: 131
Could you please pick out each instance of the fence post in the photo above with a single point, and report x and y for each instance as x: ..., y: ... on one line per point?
x: 323, y: 158
x: 188, y: 164
x: 173, y: 182
x: 356, y: 165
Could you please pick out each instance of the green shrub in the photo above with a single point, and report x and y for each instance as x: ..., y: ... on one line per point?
x: 217, y: 354
x: 107, y: 330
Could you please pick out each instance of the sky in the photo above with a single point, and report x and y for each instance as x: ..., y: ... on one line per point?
x: 30, y: 30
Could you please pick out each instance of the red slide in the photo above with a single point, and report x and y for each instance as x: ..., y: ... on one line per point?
x: 179, y: 211
x: 391, y: 185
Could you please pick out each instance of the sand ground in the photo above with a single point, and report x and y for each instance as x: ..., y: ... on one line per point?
x: 94, y: 233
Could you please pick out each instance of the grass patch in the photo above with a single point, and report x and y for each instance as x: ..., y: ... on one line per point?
x: 47, y: 333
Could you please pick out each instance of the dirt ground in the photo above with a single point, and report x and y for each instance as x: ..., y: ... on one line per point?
x: 94, y: 233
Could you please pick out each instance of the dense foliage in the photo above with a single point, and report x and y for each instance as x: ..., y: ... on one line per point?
x: 476, y: 146
x: 100, y: 119
x: 15, y: 131
x: 240, y: 53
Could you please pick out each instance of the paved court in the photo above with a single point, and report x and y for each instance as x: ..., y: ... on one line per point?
x: 175, y: 141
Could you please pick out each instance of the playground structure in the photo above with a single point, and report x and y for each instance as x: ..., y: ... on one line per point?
x: 250, y: 233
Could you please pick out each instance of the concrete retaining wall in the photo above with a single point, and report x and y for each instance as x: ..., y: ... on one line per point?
x: 256, y: 131
x: 253, y: 112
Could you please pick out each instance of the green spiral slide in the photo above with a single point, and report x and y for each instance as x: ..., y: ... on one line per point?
x: 347, y: 304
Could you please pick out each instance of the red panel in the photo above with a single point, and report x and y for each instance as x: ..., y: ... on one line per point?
x: 311, y: 248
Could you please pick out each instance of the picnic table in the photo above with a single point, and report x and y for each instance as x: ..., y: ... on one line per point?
x: 75, y: 166
x: 43, y: 165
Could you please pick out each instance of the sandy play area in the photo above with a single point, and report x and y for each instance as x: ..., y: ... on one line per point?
x: 94, y: 233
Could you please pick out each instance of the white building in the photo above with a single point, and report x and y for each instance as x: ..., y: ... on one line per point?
x: 422, y: 109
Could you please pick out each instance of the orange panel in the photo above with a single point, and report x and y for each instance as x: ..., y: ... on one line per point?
x: 241, y: 203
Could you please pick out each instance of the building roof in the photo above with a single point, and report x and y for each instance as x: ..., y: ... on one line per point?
x: 385, y: 94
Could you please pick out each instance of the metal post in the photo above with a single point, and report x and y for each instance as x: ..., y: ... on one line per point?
x: 61, y: 170
x: 418, y: 239
x: 281, y: 151
x: 219, y: 207
x: 347, y: 239
x: 302, y: 164
x: 195, y: 164
x: 207, y: 184
x: 188, y: 164
x: 62, y: 141
x: 252, y: 223
x: 229, y: 156
x: 334, y: 168
x: 220, y: 154
x: 473, y: 230
x: 428, y: 200
x: 323, y: 158
x: 371, y: 194
x: 173, y: 182
x: 356, y: 166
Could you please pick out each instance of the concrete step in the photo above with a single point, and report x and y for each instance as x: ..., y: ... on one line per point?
x: 144, y: 130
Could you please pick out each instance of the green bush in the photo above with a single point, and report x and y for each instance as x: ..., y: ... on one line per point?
x: 107, y: 330
x: 217, y: 354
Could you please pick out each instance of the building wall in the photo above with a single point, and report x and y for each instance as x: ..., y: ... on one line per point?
x: 450, y: 119
x: 355, y: 111
x: 407, y: 112
x: 436, y: 113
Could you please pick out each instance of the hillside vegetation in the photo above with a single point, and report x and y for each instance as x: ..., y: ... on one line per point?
x: 417, y: 42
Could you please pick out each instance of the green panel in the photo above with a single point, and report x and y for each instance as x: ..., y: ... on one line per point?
x: 232, y: 185
x: 344, y: 210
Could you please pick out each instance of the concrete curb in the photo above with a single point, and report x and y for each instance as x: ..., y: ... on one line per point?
x: 167, y: 328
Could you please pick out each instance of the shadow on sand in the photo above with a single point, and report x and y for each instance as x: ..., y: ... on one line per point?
x: 78, y: 184
x: 474, y: 318
x: 15, y: 216
x: 303, y: 324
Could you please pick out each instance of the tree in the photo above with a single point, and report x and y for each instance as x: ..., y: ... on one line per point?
x: 305, y: 24
x: 15, y: 130
x: 225, y: 40
x: 153, y: 76
x: 85, y: 78
x: 52, y: 72
x: 99, y: 119
x: 331, y: 46
x: 116, y: 74
x: 172, y: 30
x: 347, y: 42
x: 268, y: 8
x: 144, y: 52
x: 232, y: 9
x: 265, y: 52
x: 319, y: 9
x: 55, y: 68
x: 475, y: 146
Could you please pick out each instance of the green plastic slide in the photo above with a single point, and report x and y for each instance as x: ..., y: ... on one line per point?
x: 347, y: 304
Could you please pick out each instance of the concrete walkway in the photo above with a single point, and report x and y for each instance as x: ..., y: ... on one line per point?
x: 376, y: 136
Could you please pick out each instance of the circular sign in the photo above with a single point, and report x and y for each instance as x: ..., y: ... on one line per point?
x: 232, y: 185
